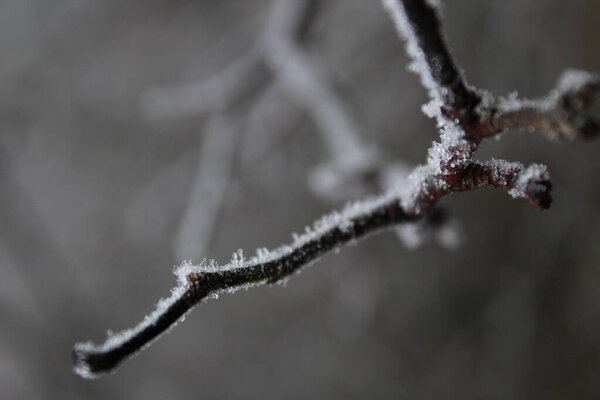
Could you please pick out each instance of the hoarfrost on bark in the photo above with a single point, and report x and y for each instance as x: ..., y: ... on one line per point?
x: 529, y: 179
x: 419, y: 64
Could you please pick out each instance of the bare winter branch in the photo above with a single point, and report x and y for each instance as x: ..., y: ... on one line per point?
x: 418, y: 22
x: 570, y: 112
x: 237, y: 81
x: 198, y: 282
x: 465, y: 115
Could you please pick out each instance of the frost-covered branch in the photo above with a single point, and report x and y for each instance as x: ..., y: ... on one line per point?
x: 196, y: 283
x: 408, y: 203
x: 356, y: 221
x: 418, y: 22
x: 306, y: 87
x: 355, y: 168
x: 465, y: 115
x: 570, y: 112
x: 228, y: 86
x: 531, y: 183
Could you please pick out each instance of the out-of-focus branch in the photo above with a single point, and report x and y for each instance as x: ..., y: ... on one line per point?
x: 230, y: 85
x: 208, y: 190
x: 465, y: 118
x: 224, y: 95
x: 303, y: 83
x: 570, y: 112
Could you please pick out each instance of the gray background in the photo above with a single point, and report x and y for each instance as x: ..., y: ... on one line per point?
x: 92, y: 194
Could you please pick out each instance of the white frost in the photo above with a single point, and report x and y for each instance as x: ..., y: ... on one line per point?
x: 502, y: 168
x: 419, y: 64
x: 573, y: 80
x: 115, y: 340
x: 533, y: 173
x: 450, y: 152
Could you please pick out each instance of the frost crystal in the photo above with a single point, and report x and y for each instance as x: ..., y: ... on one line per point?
x: 531, y: 175
x: 501, y: 169
x: 452, y: 151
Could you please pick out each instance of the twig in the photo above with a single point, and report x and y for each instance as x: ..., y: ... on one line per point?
x: 570, y: 112
x: 215, y: 164
x: 306, y: 87
x: 233, y: 84
x: 355, y: 168
x: 417, y: 21
x: 466, y: 116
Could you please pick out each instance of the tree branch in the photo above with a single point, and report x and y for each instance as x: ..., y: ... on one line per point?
x: 570, y: 112
x: 197, y: 282
x: 466, y: 116
x: 418, y: 22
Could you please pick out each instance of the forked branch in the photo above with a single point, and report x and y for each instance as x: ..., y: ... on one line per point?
x: 465, y: 115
